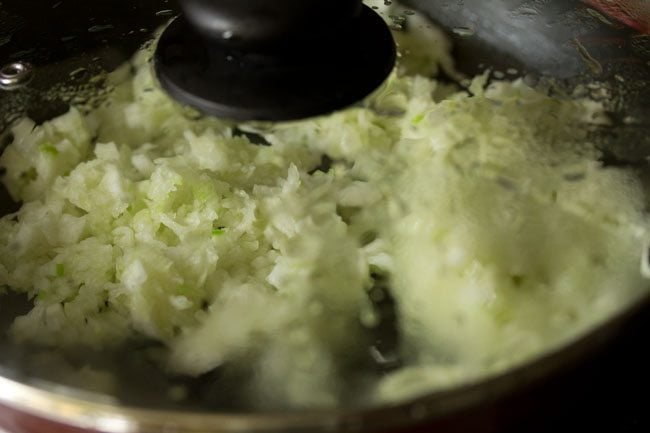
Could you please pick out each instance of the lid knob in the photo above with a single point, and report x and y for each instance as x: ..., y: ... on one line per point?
x: 273, y: 59
x: 256, y: 24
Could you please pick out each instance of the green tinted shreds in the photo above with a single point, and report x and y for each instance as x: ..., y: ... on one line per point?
x: 49, y: 149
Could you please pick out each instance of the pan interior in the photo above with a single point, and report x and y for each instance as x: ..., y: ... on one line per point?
x: 556, y: 53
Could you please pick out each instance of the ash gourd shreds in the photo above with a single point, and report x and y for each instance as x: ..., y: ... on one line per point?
x: 499, y: 232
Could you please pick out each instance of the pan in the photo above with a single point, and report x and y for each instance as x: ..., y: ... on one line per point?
x: 68, y: 42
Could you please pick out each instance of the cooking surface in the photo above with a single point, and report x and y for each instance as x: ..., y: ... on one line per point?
x: 615, y: 404
x: 618, y: 403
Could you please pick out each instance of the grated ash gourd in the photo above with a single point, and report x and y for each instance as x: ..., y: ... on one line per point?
x: 500, y: 233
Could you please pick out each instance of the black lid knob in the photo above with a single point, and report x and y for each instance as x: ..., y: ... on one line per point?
x: 273, y: 59
x: 257, y: 24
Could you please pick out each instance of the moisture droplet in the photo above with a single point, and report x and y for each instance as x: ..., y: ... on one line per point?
x: 228, y: 34
x: 527, y: 11
x: 164, y: 13
x: 388, y: 2
x: 464, y: 32
x: 100, y: 28
x: 78, y: 73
